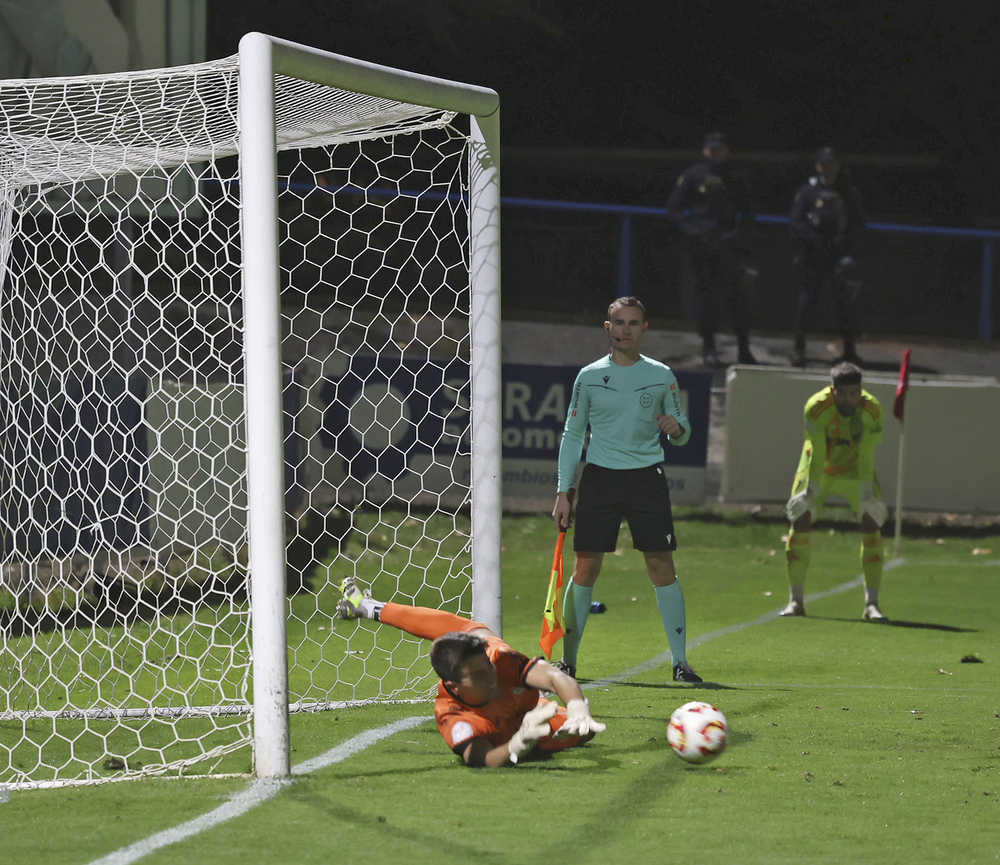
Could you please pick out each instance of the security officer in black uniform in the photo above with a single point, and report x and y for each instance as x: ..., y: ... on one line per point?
x: 825, y: 220
x: 711, y: 205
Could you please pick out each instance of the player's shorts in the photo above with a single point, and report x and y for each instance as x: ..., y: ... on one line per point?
x: 640, y: 496
x: 847, y: 485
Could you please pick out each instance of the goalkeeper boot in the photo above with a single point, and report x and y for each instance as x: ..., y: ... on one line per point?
x: 352, y: 605
x: 794, y: 608
x: 873, y: 614
x: 684, y: 673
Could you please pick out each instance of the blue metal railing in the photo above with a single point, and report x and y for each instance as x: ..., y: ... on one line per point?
x: 625, y: 212
x: 988, y: 238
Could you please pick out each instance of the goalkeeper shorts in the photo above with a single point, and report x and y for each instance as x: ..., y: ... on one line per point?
x: 845, y: 486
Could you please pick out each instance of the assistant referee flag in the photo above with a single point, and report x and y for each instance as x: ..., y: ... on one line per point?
x: 552, y: 622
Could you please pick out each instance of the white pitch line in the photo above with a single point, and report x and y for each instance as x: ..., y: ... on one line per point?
x: 259, y: 791
x: 903, y: 689
x: 957, y: 564
x: 701, y: 639
x: 357, y: 744
x: 263, y: 789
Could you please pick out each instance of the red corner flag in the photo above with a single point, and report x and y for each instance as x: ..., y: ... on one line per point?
x: 552, y: 623
x: 904, y: 383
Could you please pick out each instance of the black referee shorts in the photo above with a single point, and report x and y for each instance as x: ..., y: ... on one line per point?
x: 640, y: 496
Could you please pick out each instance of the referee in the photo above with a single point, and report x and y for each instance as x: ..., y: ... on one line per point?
x: 627, y: 400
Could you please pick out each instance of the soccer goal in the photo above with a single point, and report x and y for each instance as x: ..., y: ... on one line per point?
x: 249, y: 328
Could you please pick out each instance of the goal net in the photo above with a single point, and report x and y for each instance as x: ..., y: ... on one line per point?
x: 249, y: 328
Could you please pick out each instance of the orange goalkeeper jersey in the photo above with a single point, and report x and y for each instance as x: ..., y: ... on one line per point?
x: 498, y: 720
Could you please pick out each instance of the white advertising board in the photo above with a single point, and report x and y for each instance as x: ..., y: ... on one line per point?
x: 951, y: 459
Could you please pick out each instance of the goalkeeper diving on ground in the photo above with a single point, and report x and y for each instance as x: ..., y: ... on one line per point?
x: 488, y: 707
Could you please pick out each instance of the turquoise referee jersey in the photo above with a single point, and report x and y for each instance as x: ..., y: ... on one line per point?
x: 620, y: 405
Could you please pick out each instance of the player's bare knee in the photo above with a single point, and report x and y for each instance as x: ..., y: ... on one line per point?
x: 661, y: 568
x: 587, y: 568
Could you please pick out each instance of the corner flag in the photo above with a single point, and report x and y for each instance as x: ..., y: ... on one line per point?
x: 552, y: 622
x: 897, y: 410
x: 901, y: 388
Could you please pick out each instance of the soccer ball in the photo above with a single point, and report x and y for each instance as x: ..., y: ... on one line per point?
x: 698, y: 732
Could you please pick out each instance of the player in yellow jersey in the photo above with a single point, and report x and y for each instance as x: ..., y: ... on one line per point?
x: 843, y: 425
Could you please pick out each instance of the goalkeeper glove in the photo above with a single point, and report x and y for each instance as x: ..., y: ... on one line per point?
x: 534, y: 725
x: 579, y: 721
x: 803, y: 502
x: 869, y: 504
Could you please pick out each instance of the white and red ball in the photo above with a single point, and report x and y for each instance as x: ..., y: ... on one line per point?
x: 698, y: 732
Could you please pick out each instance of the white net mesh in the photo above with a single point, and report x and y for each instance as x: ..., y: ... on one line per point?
x: 123, y: 508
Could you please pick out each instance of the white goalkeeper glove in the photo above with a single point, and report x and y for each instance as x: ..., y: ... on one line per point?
x: 803, y: 502
x: 534, y: 725
x: 869, y: 503
x: 579, y: 721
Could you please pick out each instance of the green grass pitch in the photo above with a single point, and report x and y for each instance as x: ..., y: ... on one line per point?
x: 850, y: 742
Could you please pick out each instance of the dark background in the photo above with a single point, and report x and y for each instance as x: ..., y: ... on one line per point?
x: 607, y: 102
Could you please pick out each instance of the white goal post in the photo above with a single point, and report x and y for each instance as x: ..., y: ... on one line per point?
x: 250, y: 342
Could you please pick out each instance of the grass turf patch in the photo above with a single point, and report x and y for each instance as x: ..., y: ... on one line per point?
x: 849, y: 740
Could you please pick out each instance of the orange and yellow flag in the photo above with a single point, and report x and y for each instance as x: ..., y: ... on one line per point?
x: 552, y: 622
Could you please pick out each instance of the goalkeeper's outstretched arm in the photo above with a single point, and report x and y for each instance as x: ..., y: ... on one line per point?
x: 535, y: 725
x: 579, y: 722
x: 546, y: 677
